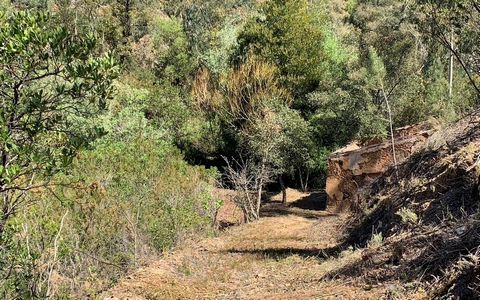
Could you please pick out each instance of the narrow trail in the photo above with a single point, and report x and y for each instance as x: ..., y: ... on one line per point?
x: 282, y: 256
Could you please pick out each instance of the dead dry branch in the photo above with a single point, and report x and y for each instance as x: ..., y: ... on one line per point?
x: 248, y: 179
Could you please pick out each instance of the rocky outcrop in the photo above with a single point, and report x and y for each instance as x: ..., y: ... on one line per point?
x: 356, y: 165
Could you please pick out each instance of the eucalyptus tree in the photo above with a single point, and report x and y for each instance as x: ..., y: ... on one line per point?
x: 454, y: 23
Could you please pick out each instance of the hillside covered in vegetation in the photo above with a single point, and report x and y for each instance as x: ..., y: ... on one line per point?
x: 124, y: 123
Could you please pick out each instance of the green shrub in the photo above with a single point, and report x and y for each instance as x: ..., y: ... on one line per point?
x: 376, y: 240
x: 407, y: 215
x: 123, y: 202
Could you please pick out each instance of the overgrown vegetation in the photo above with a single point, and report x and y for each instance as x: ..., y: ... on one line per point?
x: 119, y: 116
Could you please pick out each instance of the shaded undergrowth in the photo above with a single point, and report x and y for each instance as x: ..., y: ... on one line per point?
x: 282, y: 253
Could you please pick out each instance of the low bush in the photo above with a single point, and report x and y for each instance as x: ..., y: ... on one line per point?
x: 121, y: 204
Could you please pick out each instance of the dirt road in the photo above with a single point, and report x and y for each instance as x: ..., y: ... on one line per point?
x: 282, y: 256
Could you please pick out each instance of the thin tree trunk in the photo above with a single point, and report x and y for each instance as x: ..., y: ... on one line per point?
x: 251, y: 206
x: 259, y: 199
x: 446, y: 43
x: 450, y: 69
x: 301, y: 179
x: 303, y: 183
x: 306, y: 181
x: 284, y: 191
x: 245, y: 214
x: 391, y: 128
x: 55, y: 254
x: 260, y: 188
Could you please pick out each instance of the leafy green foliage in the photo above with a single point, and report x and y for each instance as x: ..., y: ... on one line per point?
x: 50, y: 80
x: 289, y: 35
x: 128, y: 198
x: 173, y: 63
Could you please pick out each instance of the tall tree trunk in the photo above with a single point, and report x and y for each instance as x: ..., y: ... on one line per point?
x: 305, y: 188
x: 303, y: 183
x: 260, y: 187
x: 252, y: 207
x: 391, y: 129
x: 301, y: 179
x: 284, y: 191
x: 450, y: 68
x: 448, y: 45
x: 245, y: 214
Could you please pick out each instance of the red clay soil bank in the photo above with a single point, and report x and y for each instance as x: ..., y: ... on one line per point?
x: 354, y: 166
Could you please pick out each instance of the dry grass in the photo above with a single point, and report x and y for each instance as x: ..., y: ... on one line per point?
x: 284, y: 256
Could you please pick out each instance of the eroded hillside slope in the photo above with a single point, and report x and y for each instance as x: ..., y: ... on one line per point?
x: 427, y: 212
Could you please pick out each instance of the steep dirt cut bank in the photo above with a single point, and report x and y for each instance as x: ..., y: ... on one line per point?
x: 357, y: 165
x: 427, y: 212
